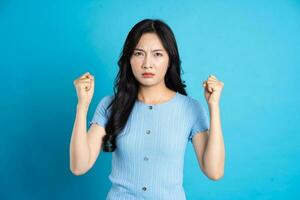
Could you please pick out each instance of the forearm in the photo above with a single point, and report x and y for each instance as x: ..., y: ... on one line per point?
x: 79, y: 149
x: 214, y: 154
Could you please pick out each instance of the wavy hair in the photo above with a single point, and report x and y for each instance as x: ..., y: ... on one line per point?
x: 125, y: 84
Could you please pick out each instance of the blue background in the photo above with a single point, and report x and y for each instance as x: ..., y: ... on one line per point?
x: 252, y: 46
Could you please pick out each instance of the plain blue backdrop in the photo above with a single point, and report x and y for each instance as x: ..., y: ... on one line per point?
x: 252, y: 46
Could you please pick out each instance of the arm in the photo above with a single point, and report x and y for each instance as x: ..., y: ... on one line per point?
x: 84, y: 147
x: 209, y: 147
x: 214, y: 155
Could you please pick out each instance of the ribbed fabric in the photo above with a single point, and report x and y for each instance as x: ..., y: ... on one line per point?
x: 148, y: 161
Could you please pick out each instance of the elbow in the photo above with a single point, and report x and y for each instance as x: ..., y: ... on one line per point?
x: 77, y: 172
x: 216, y: 177
x: 215, y: 174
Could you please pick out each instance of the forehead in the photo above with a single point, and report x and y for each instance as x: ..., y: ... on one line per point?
x: 149, y: 41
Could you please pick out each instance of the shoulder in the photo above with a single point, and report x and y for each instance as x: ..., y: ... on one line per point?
x: 193, y: 106
x: 107, y: 98
x: 195, y: 103
x: 189, y: 101
x: 105, y: 101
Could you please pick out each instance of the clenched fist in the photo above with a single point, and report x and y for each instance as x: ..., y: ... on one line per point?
x: 212, y: 89
x: 84, y: 88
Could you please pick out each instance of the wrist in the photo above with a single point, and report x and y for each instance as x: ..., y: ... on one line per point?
x: 82, y: 106
x: 213, y: 105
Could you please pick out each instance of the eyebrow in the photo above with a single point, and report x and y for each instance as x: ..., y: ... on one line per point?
x: 152, y: 50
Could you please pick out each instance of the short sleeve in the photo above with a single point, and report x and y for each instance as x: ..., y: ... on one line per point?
x: 100, y: 116
x: 200, y: 116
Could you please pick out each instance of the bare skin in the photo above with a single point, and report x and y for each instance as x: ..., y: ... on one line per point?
x: 149, y: 56
x: 209, y: 145
x: 84, y: 146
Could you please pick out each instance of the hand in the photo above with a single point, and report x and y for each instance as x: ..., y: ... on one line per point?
x: 84, y: 88
x: 212, y: 90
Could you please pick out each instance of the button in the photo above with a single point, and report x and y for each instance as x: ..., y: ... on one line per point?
x: 146, y: 158
x: 150, y: 107
x: 148, y: 131
x: 144, y: 188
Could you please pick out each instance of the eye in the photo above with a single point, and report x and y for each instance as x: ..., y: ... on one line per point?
x: 137, y: 53
x: 158, y: 54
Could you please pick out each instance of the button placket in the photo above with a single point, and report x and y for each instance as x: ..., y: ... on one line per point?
x: 148, y: 131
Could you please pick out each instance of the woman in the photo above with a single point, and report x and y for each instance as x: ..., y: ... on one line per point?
x: 148, y: 120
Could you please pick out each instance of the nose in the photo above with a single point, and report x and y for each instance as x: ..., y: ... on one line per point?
x: 147, y: 62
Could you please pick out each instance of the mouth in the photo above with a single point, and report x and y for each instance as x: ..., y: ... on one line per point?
x: 148, y: 75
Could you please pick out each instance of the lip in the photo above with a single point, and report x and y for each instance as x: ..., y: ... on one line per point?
x: 148, y: 74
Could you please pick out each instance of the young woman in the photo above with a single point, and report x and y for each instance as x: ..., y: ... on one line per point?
x: 148, y: 121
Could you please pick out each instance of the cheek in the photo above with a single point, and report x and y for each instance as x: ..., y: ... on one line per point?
x: 162, y: 65
x: 135, y: 67
x: 134, y: 64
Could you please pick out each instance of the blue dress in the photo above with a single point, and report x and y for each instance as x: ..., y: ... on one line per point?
x: 148, y: 161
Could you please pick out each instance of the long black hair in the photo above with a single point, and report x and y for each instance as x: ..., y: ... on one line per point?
x: 126, y: 86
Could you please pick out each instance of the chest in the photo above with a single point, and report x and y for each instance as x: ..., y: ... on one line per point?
x: 159, y: 132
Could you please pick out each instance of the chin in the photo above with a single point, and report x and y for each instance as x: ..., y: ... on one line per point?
x: 148, y: 83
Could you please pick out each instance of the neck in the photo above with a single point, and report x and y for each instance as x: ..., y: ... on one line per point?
x: 154, y: 94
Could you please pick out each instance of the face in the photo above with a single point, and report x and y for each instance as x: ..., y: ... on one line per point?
x: 149, y: 56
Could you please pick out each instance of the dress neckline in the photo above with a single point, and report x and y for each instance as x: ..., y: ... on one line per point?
x: 158, y: 104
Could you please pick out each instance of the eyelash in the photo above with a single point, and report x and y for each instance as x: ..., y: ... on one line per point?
x: 136, y: 54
